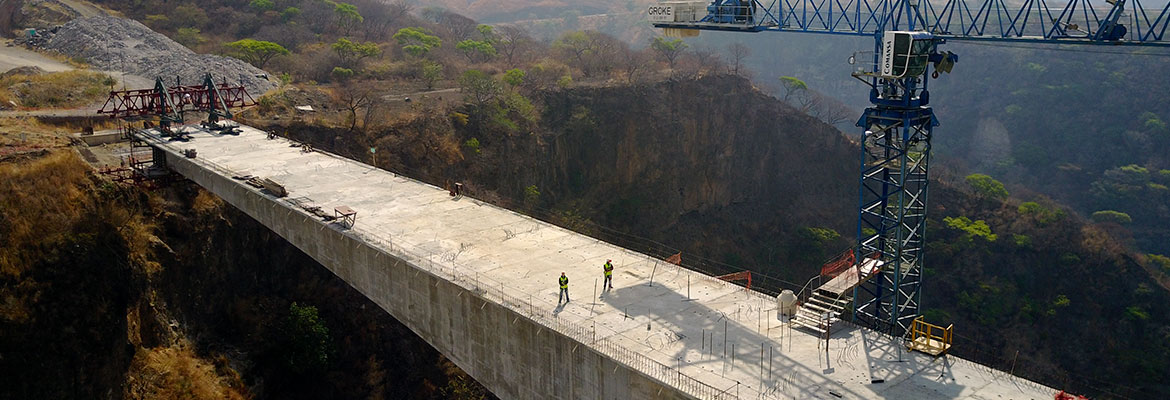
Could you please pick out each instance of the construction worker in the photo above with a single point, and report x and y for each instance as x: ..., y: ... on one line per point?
x: 564, y: 289
x: 608, y: 268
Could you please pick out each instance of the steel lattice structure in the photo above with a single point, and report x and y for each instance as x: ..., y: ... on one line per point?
x: 899, y: 126
x: 1061, y: 21
x: 168, y: 102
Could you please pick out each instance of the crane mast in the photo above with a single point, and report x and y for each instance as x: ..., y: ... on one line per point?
x: 899, y: 124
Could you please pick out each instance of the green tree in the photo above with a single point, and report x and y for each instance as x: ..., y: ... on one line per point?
x: 347, y: 17
x: 417, y: 42
x: 261, y: 5
x: 476, y: 50
x: 479, y: 87
x: 351, y: 52
x: 190, y: 15
x: 1152, y: 122
x: 486, y: 33
x: 987, y: 187
x: 1112, y: 216
x: 432, y: 73
x: 971, y: 229
x: 668, y: 50
x: 514, y: 77
x: 189, y: 37
x: 307, y: 346
x: 256, y: 52
x: 341, y: 74
x: 792, y: 86
x: 289, y: 14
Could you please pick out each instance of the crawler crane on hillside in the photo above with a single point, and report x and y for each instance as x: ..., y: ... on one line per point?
x: 885, y: 285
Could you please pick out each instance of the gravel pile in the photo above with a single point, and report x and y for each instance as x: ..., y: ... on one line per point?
x: 120, y: 44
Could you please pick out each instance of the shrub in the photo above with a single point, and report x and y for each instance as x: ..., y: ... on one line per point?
x: 1160, y: 261
x: 473, y: 144
x: 189, y: 37
x: 565, y: 81
x: 1116, y: 217
x: 306, y: 339
x: 822, y: 235
x: 59, y: 89
x: 531, y: 195
x: 341, y: 74
x: 261, y: 5
x: 1031, y: 207
x: 987, y: 187
x: 1061, y: 301
x: 1022, y: 241
x: 1136, y: 313
x: 971, y: 229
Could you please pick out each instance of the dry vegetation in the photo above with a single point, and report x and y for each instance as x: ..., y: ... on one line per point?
x: 41, y: 201
x: 65, y: 89
x: 176, y: 372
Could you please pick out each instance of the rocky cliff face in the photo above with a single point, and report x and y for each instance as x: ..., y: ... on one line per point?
x: 691, y: 162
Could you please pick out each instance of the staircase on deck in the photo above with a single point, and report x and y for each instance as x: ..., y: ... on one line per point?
x: 826, y: 302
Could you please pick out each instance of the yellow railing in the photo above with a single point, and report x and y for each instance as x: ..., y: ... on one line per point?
x: 929, y: 338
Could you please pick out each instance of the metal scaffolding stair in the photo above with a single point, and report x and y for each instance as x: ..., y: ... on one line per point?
x: 825, y: 304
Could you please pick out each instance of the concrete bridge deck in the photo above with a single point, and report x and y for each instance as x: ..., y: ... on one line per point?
x: 685, y: 336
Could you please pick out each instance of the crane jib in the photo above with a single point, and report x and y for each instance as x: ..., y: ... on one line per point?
x: 1120, y: 22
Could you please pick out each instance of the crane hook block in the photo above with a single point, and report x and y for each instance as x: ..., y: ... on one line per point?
x: 944, y: 62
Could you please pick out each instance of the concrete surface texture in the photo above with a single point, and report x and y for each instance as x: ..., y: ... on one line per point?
x: 480, y: 284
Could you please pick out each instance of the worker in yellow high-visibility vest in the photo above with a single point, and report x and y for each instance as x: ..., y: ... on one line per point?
x: 564, y: 281
x: 608, y: 268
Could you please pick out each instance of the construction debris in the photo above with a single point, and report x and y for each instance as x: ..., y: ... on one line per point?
x: 275, y: 188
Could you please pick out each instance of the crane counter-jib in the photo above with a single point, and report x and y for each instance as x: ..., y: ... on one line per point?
x: 1124, y: 22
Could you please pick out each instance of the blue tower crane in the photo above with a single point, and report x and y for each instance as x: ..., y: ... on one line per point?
x: 898, y: 127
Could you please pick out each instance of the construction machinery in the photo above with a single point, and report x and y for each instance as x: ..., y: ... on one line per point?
x: 899, y: 125
x: 168, y: 104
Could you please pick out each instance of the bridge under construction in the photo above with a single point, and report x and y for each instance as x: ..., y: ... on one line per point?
x: 479, y: 283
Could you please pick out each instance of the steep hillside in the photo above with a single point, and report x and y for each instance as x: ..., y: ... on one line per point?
x: 110, y: 292
x: 735, y: 180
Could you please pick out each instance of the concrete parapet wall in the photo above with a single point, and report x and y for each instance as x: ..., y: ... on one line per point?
x: 500, y: 345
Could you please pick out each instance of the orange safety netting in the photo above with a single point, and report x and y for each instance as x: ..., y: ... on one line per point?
x: 738, y: 276
x: 838, y: 265
x: 1062, y: 395
x: 675, y: 259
